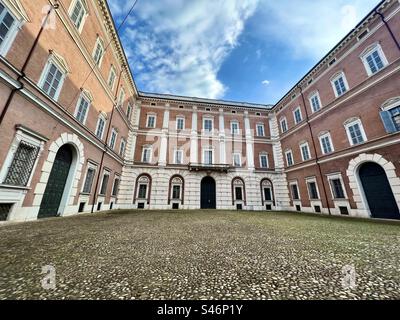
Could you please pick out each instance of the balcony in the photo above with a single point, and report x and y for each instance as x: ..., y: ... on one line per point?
x: 209, y: 167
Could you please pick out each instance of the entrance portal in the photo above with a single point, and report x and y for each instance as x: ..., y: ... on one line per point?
x: 208, y: 193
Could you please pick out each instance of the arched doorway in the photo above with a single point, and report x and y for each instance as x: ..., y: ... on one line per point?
x: 378, y: 192
x: 208, y: 193
x: 56, y: 184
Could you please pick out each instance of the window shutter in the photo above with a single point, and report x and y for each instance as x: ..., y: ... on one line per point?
x: 388, y: 121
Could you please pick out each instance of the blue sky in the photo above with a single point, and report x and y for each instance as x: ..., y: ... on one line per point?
x: 241, y: 50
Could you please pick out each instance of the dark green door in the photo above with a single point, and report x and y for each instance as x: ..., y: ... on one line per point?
x: 56, y: 184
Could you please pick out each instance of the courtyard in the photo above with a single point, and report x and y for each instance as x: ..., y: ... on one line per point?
x: 200, y: 255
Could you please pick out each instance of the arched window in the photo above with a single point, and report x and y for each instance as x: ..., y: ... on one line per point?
x: 267, y: 192
x: 176, y: 189
x: 238, y: 190
x: 143, y: 188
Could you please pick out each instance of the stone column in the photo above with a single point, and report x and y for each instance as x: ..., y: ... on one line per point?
x: 249, y: 142
x: 194, y: 138
x: 222, y: 148
x: 162, y: 161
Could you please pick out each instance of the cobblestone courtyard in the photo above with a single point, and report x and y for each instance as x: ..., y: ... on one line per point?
x: 200, y: 255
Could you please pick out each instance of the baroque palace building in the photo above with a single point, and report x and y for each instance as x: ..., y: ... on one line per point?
x: 77, y: 136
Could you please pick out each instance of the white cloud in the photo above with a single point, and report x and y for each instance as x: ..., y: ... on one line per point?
x: 266, y: 82
x: 179, y: 46
x: 308, y: 28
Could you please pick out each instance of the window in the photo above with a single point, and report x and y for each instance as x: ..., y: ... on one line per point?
x: 260, y: 130
x: 297, y: 115
x: 87, y: 186
x: 101, y: 123
x: 121, y: 98
x: 129, y: 111
x: 113, y: 138
x: 234, y: 127
x: 355, y: 132
x: 7, y: 28
x: 78, y: 14
x: 339, y: 84
x: 98, y: 52
x: 238, y: 189
x: 52, y: 79
x: 146, y: 155
x: 312, y: 190
x: 151, y: 121
x: 22, y: 164
x: 289, y: 158
x: 178, y: 157
x: 142, y: 191
x: 239, y: 193
x: 115, y: 187
x: 326, y: 143
x: 263, y: 160
x: 305, y: 151
x: 143, y: 187
x: 176, y: 192
x: 180, y: 123
x: 337, y: 188
x: 111, y: 78
x: 315, y: 102
x: 208, y: 157
x: 104, y: 183
x: 284, y: 126
x: 208, y: 125
x: 82, y: 109
x: 122, y: 148
x: 391, y: 118
x: 295, y: 191
x: 374, y: 59
x: 237, y: 161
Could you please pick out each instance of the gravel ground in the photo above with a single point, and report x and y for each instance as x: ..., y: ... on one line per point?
x: 200, y: 255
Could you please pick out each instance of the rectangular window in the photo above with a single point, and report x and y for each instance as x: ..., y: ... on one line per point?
x: 295, y: 192
x: 180, y: 123
x: 208, y: 125
x: 87, y: 187
x: 234, y: 128
x: 98, y: 53
x: 305, y: 152
x: 374, y: 61
x: 115, y: 187
x: 122, y: 148
x: 52, y: 81
x: 151, y: 121
x: 355, y: 133
x: 208, y: 157
x: 100, y: 127
x: 178, y: 156
x: 391, y: 119
x: 297, y: 116
x: 289, y: 158
x: 111, y: 78
x: 340, y: 85
x: 6, y: 23
x: 104, y: 184
x: 78, y: 14
x: 22, y: 165
x: 337, y: 189
x: 284, y: 126
x: 326, y: 144
x: 129, y: 111
x: 260, y: 130
x: 264, y: 161
x: 315, y: 103
x: 82, y: 110
x: 237, y: 161
x: 176, y: 192
x: 113, y: 138
x: 312, y: 190
x: 142, y: 191
x: 238, y: 193
x: 146, y: 156
x: 267, y: 194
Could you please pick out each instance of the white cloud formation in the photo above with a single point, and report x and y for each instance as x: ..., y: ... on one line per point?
x: 179, y: 46
x: 308, y: 28
x: 266, y: 82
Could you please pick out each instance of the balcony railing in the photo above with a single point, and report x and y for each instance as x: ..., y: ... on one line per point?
x: 209, y: 167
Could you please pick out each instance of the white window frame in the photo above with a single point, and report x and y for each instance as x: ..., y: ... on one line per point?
x: 260, y: 125
x: 286, y: 158
x: 112, y: 71
x: 105, y: 173
x: 326, y: 135
x: 338, y: 75
x: 335, y: 176
x: 305, y: 144
x: 183, y: 121
x: 294, y: 183
x: 116, y: 177
x: 71, y: 10
x: 150, y: 149
x: 370, y: 50
x: 281, y: 121
x: 86, y: 96
x: 235, y: 122
x: 101, y: 117
x: 240, y: 160
x: 313, y: 180
x: 263, y: 154
x: 19, y: 20
x: 155, y: 120
x: 310, y: 99
x: 99, y: 42
x: 129, y: 110
x: 351, y: 122
x: 208, y: 118
x: 122, y: 143
x: 53, y: 60
x: 212, y: 156
x: 121, y: 98
x: 176, y: 151
x: 113, y: 131
x: 294, y: 115
x: 93, y: 167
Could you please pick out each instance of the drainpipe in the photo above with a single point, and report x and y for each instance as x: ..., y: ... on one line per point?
x: 388, y: 28
x: 27, y: 60
x: 315, y: 149
x: 96, y: 193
